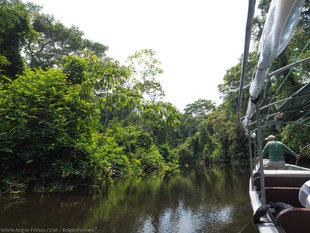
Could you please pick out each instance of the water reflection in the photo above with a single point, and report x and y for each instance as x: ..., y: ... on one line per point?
x: 209, y: 200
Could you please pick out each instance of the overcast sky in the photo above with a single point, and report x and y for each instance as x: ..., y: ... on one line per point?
x: 195, y: 40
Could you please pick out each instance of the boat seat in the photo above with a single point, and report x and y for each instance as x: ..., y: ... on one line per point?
x: 283, y: 186
x: 288, y: 195
x: 293, y: 220
x: 279, y: 181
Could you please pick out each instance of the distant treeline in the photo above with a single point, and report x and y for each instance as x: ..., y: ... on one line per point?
x: 70, y: 116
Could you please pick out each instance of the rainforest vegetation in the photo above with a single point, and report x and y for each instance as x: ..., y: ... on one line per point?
x: 71, y: 116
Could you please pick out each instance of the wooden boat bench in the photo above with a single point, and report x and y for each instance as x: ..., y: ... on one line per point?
x: 288, y: 195
x: 295, y: 220
x: 281, y: 186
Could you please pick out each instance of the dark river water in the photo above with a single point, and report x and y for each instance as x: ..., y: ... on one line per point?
x: 213, y: 199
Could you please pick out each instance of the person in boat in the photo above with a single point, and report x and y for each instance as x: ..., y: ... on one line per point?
x: 276, y: 151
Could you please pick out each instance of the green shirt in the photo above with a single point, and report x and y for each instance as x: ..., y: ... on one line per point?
x: 276, y: 150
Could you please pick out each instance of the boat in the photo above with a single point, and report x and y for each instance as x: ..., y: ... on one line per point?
x: 281, y: 187
x: 280, y: 199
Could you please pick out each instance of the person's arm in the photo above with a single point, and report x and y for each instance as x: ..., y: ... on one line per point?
x: 289, y: 150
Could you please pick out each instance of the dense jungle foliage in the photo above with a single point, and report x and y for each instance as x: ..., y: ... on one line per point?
x: 70, y: 116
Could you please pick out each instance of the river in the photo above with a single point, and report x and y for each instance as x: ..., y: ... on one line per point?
x: 213, y: 199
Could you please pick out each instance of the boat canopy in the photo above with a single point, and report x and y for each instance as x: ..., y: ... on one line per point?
x: 279, y: 27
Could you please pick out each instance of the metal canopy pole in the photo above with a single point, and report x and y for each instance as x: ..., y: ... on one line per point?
x: 247, y: 40
x: 260, y: 153
x: 255, y: 153
x: 251, y: 156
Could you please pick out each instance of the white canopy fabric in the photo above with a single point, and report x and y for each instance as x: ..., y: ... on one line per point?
x: 279, y: 27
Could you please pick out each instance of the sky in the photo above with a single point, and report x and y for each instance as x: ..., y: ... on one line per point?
x: 195, y: 40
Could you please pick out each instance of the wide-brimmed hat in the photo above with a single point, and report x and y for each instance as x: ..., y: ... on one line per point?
x: 270, y: 137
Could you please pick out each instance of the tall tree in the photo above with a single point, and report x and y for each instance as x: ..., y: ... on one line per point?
x: 46, y: 128
x: 56, y: 41
x: 15, y: 30
x: 200, y: 107
x: 145, y: 69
